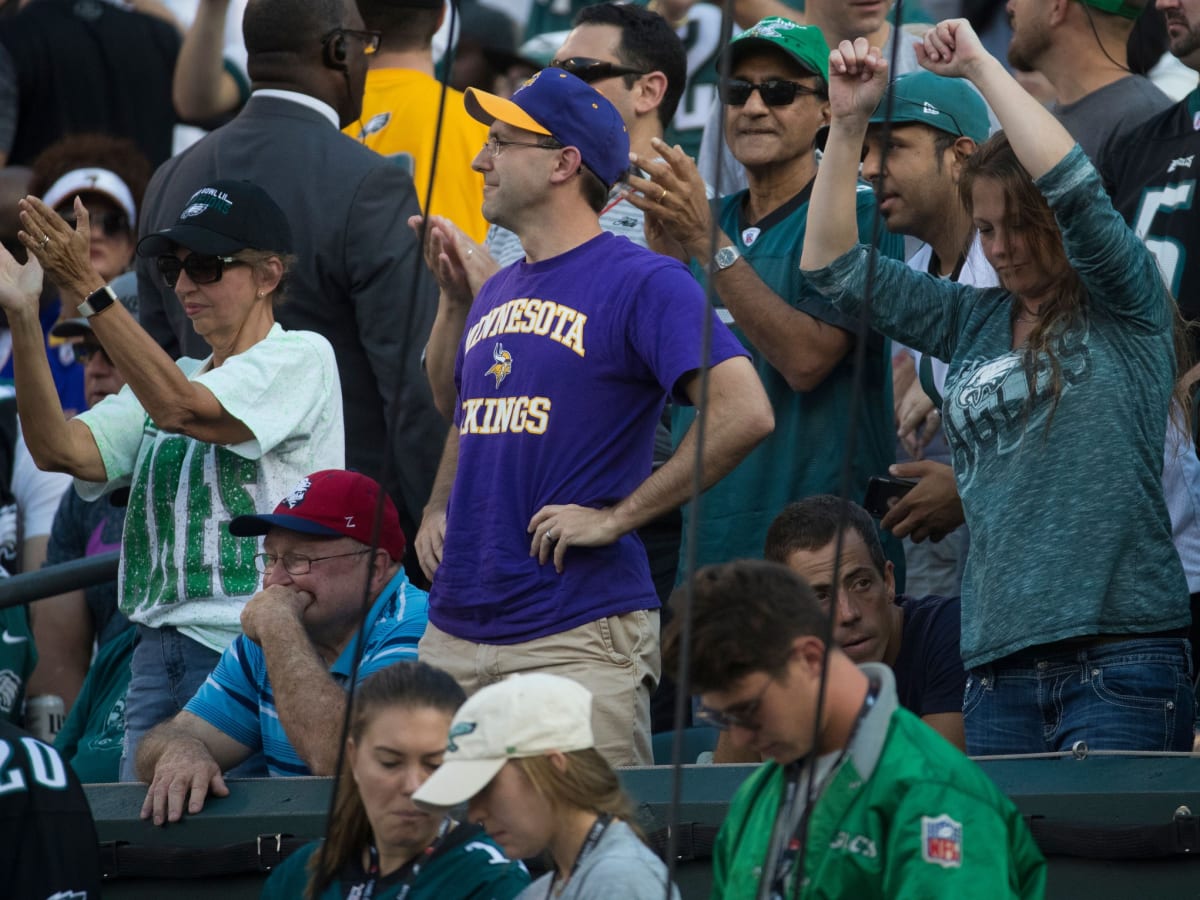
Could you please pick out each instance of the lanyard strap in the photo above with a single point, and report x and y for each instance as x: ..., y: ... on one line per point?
x: 414, y: 865
x: 589, y: 844
x: 791, y: 850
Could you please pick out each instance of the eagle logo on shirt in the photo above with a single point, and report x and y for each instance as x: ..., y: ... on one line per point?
x: 502, y: 367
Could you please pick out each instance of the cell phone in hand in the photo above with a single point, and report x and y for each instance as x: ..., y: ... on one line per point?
x: 882, y: 490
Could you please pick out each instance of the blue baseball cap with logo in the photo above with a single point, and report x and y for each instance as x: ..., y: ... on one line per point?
x: 557, y: 104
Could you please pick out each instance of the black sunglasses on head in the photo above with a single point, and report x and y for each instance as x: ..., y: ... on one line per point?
x: 736, y: 92
x: 200, y: 268
x: 111, y: 223
x: 590, y: 70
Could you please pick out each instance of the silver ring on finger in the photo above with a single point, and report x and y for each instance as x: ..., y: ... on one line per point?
x: 549, y: 534
x: 45, y: 240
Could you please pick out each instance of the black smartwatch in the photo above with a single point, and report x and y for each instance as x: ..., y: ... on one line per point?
x: 97, y: 302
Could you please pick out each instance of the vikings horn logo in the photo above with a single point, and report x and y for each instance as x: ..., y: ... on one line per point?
x: 503, y: 366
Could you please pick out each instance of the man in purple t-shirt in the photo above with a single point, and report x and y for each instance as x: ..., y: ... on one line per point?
x: 565, y: 362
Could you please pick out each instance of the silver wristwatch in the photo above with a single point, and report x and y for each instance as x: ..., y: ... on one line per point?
x: 725, y: 257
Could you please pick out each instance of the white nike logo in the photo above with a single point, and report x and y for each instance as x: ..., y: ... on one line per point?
x: 10, y: 639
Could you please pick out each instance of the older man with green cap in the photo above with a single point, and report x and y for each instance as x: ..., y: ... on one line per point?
x: 776, y: 100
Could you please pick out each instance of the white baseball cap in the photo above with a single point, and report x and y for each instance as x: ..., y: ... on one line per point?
x: 524, y: 715
x: 93, y: 181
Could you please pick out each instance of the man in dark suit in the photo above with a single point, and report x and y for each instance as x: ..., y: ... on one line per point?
x: 358, y: 277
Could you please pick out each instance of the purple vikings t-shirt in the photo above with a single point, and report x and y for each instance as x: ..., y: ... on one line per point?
x: 562, y: 374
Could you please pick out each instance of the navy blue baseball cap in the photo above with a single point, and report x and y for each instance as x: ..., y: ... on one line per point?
x: 560, y: 105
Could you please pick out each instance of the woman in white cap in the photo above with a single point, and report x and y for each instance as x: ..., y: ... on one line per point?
x: 198, y: 442
x: 110, y: 175
x: 523, y: 757
x: 380, y: 844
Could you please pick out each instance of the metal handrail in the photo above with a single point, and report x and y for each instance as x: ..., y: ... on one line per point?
x: 53, y: 580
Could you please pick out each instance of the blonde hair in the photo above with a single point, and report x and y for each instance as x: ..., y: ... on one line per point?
x: 587, y: 782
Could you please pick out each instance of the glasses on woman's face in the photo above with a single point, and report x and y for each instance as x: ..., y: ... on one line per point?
x: 200, y: 268
x: 591, y: 70
x: 735, y: 92
x: 111, y: 224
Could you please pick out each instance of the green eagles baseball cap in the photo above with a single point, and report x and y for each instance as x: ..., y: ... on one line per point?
x: 1129, y: 9
x: 803, y: 43
x: 947, y: 104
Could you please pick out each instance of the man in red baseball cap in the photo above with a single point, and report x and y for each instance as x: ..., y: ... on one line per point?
x: 331, y: 553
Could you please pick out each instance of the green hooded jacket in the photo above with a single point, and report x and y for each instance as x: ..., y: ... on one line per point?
x: 904, y: 816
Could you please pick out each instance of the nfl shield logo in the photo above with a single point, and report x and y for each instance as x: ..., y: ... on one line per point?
x: 941, y: 841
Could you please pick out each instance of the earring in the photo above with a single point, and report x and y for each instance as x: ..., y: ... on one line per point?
x: 260, y: 295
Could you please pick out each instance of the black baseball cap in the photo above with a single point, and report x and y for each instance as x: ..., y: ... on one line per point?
x: 221, y: 218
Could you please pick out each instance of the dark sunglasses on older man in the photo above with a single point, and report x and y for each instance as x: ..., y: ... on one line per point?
x: 736, y: 92
x: 111, y: 223
x: 200, y: 268
x: 591, y: 70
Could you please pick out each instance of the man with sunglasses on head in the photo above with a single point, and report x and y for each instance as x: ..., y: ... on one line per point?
x: 280, y: 687
x: 858, y: 797
x: 635, y: 59
x: 776, y: 100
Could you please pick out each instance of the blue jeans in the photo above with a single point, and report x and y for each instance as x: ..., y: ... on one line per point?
x: 165, y: 672
x: 1132, y: 694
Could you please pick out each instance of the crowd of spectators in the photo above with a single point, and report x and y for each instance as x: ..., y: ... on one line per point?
x: 438, y: 353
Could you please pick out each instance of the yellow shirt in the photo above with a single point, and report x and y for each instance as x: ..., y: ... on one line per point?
x: 399, y: 120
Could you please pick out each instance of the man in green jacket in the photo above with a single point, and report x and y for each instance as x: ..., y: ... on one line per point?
x: 897, y: 812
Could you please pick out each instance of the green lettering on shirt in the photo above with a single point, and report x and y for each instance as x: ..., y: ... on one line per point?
x: 236, y: 555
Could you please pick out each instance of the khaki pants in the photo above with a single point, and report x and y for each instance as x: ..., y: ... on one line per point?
x: 617, y: 659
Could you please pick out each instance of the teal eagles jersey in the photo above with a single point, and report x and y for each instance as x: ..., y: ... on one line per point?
x: 467, y: 866
x: 804, y: 454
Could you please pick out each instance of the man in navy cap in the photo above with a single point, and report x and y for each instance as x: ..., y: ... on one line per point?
x: 279, y: 688
x: 563, y: 367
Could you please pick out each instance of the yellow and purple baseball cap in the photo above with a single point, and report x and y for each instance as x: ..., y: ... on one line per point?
x: 556, y: 104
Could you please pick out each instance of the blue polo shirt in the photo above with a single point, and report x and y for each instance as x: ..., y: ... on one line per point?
x: 237, y: 696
